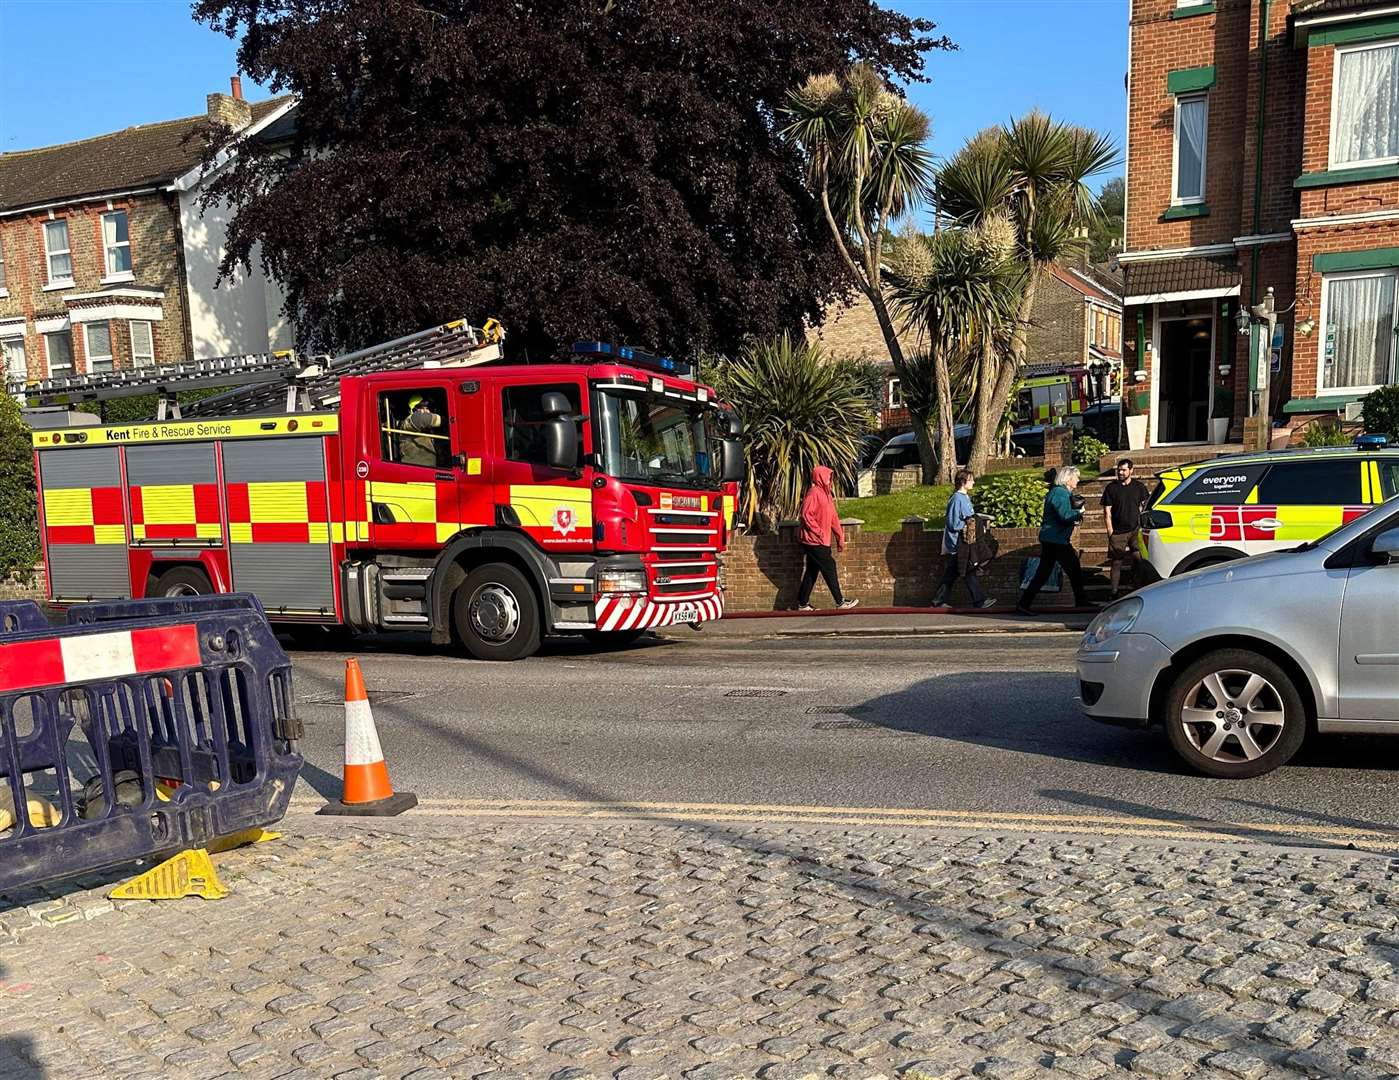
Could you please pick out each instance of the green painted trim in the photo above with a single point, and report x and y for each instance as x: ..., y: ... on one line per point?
x: 1326, y: 404
x: 1347, y: 176
x: 1194, y: 210
x: 1194, y: 9
x: 1337, y: 261
x: 1350, y: 33
x: 1189, y: 79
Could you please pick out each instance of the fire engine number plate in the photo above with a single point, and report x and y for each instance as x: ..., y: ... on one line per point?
x: 683, y: 613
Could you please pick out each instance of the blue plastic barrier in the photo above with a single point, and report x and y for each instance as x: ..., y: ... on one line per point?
x: 151, y: 726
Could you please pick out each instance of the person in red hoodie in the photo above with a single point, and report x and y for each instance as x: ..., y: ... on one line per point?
x: 820, y: 523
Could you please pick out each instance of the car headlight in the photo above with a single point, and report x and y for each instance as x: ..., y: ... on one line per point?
x: 1115, y: 620
x: 621, y: 581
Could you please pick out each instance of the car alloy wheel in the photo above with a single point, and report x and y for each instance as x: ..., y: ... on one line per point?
x: 1233, y: 716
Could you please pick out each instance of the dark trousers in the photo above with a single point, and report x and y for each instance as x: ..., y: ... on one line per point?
x: 1065, y: 556
x: 949, y: 579
x: 819, y: 560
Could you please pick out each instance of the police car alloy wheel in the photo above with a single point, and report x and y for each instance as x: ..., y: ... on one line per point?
x: 1234, y: 714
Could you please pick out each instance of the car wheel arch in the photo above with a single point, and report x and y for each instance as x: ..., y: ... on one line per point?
x: 1208, y: 557
x: 1187, y: 655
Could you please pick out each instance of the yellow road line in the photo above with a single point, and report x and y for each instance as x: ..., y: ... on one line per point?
x: 850, y: 815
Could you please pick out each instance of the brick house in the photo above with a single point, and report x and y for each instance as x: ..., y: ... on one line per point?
x: 1076, y: 321
x: 106, y: 261
x: 1226, y: 200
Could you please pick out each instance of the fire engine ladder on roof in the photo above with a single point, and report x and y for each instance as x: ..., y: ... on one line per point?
x: 164, y: 381
x: 268, y: 382
x: 453, y: 344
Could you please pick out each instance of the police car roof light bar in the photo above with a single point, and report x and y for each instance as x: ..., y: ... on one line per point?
x: 637, y: 357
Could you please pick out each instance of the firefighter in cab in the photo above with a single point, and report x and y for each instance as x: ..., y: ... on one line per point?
x: 417, y: 445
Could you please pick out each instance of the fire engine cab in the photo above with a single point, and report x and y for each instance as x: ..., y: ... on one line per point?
x: 420, y: 485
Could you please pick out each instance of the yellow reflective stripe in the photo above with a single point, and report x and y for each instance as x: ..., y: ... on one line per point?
x: 445, y: 531
x: 109, y: 534
x: 1376, y: 487
x: 283, y: 502
x: 1252, y: 496
x: 207, y: 531
x: 68, y: 506
x: 473, y: 466
x: 728, y: 511
x: 535, y: 504
x: 138, y: 532
x: 168, y: 504
x: 240, y: 532
x: 413, y: 502
x: 316, y: 424
x: 318, y: 532
x: 1365, y: 482
x: 337, y: 532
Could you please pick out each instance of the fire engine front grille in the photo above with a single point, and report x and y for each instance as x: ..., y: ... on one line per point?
x: 684, y: 574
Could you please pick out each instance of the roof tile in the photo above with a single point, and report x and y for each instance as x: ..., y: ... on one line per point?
x: 1157, y: 276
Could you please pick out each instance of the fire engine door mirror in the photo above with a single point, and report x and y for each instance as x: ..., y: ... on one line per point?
x: 731, y: 460
x: 560, y: 432
x: 732, y: 425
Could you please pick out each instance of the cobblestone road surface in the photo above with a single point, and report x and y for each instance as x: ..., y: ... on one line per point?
x: 643, y: 949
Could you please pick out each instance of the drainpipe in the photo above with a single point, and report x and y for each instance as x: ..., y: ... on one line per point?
x: 1254, y: 351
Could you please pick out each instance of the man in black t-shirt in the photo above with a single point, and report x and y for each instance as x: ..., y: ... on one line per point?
x: 1124, y: 499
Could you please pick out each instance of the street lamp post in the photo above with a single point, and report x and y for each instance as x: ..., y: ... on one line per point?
x: 1263, y: 315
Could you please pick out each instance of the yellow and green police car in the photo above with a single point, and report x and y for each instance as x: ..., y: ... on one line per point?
x: 1245, y: 504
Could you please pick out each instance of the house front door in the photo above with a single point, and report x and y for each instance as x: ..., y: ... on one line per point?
x: 1183, y: 380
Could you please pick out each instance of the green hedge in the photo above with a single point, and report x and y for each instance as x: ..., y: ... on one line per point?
x: 1012, y: 499
x: 19, y: 519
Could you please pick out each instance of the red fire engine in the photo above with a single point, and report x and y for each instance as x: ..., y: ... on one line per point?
x: 419, y: 485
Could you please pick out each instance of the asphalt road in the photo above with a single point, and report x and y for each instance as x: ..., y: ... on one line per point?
x: 975, y: 724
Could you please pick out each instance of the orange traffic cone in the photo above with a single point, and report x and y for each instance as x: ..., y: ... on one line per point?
x: 367, y: 792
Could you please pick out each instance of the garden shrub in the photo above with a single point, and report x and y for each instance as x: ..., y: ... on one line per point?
x: 1381, y: 412
x: 1088, y: 449
x: 1012, y: 499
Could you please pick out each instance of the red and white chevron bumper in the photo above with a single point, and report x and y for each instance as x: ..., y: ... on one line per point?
x: 639, y: 613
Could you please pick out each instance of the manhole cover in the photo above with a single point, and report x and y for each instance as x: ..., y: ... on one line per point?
x: 843, y: 725
x: 376, y: 697
x: 755, y: 693
x: 834, y: 710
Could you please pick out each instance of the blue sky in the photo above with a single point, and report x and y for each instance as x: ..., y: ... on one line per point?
x: 1065, y: 56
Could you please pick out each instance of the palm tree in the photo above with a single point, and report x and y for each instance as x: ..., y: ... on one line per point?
x: 868, y: 164
x: 959, y: 288
x: 798, y: 411
x: 1033, y: 175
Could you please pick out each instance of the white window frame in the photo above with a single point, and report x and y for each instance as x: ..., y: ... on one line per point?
x: 90, y: 358
x: 1191, y: 200
x: 1190, y: 3
x: 49, y: 253
x: 9, y: 338
x: 1326, y: 279
x: 139, y: 360
x: 4, y: 290
x: 894, y: 391
x: 48, y: 355
x: 108, y: 274
x: 1345, y: 50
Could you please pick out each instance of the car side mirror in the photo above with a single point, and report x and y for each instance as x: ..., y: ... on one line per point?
x: 731, y: 464
x: 554, y: 404
x: 1385, y: 547
x: 733, y: 426
x: 561, y: 443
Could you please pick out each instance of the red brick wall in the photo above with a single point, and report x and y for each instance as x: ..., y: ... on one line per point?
x: 882, y: 570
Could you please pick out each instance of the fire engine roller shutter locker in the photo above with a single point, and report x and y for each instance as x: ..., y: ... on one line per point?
x: 279, y: 538
x: 83, y: 522
x: 187, y: 510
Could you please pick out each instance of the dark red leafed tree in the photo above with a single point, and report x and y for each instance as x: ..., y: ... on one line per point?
x: 578, y: 168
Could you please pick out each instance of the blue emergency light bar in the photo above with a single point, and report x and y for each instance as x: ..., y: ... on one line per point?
x: 1371, y: 442
x: 638, y: 357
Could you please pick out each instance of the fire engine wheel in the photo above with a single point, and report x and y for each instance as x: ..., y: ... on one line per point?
x: 496, y: 614
x: 182, y: 581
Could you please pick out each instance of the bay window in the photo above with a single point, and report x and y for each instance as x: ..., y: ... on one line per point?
x: 98, y: 343
x: 1357, y: 342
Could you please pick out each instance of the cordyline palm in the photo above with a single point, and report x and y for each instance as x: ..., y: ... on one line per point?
x: 868, y: 164
x: 798, y: 411
x: 1033, y: 174
x: 959, y: 288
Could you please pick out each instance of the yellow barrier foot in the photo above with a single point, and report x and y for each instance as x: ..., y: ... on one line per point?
x: 241, y: 839
x: 190, y: 873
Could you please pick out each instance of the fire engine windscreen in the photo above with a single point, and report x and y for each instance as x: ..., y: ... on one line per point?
x: 654, y: 439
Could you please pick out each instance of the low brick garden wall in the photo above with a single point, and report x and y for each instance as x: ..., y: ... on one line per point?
x: 902, y: 569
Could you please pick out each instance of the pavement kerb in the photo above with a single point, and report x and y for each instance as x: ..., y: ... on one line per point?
x: 877, y: 623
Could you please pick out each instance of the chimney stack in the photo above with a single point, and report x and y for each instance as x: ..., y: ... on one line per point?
x: 231, y: 110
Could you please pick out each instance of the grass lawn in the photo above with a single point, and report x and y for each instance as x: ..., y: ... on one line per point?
x: 884, y: 513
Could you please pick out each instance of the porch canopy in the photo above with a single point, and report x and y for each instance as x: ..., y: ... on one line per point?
x: 1159, y: 281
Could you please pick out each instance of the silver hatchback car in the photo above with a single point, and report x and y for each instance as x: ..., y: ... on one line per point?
x: 1240, y: 662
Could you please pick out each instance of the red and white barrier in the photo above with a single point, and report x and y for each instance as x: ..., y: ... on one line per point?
x: 32, y: 665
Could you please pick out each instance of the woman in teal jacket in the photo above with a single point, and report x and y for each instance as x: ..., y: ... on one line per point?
x: 1056, y: 540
